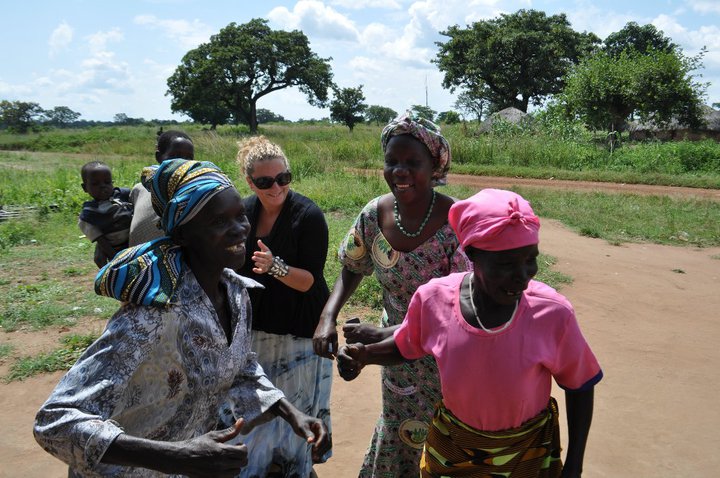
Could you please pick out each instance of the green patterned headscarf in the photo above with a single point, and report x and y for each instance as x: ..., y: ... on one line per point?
x: 148, y: 274
x: 427, y: 133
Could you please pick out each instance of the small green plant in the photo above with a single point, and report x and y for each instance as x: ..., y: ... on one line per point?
x: 589, y: 231
x: 5, y: 351
x: 549, y: 276
x: 60, y: 359
x: 73, y: 271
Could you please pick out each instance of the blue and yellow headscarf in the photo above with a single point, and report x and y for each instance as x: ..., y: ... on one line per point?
x: 148, y: 274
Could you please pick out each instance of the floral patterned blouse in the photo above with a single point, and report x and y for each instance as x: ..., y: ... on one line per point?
x: 156, y: 373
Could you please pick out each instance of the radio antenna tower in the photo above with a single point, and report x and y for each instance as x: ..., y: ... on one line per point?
x: 426, y: 93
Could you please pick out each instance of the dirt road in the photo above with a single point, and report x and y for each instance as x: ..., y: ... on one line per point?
x: 650, y: 313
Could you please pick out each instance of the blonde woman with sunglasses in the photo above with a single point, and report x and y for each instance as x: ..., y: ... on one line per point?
x: 286, y: 252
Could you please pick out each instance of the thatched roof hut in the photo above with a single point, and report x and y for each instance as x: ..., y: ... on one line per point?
x: 676, y: 131
x: 510, y: 115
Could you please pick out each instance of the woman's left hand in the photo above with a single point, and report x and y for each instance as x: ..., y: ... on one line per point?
x: 263, y: 258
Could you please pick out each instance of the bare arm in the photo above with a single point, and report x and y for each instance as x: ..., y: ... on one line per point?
x: 366, y: 333
x: 579, y: 416
x: 325, y: 340
x: 204, y: 456
x: 298, y: 279
x: 104, y: 251
x: 352, y: 358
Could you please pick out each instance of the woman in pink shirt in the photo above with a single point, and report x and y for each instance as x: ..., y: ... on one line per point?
x: 498, y: 337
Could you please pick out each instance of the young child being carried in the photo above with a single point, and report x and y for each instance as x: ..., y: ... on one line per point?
x: 106, y: 219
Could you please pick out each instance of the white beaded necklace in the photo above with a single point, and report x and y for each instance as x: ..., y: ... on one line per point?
x: 477, y: 318
x: 422, y: 224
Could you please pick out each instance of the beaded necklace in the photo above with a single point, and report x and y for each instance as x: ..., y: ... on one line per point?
x: 477, y: 318
x: 422, y: 224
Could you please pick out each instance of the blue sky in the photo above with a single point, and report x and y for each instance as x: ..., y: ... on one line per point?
x: 102, y: 58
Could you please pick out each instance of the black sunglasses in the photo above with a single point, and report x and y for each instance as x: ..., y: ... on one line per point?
x: 266, y: 182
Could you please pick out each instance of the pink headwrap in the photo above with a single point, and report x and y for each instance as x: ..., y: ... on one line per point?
x: 494, y: 220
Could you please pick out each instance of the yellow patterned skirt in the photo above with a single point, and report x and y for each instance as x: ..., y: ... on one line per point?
x: 454, y: 449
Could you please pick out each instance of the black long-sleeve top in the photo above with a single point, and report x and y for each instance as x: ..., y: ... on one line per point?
x: 300, y: 237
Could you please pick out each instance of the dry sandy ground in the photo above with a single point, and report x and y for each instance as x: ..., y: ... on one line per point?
x: 650, y: 313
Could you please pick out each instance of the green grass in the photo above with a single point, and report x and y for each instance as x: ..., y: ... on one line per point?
x: 47, y: 277
x: 5, y: 351
x: 621, y: 218
x: 60, y: 359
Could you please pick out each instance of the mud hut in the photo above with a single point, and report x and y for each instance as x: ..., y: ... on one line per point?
x: 510, y: 115
x: 675, y: 131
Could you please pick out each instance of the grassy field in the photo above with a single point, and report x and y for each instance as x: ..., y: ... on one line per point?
x: 46, y: 267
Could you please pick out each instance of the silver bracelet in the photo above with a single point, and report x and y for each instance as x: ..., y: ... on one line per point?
x: 278, y: 268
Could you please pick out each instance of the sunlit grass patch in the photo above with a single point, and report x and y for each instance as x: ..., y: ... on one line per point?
x: 60, y: 359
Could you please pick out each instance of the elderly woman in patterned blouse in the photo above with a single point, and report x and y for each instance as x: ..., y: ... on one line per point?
x: 143, y: 399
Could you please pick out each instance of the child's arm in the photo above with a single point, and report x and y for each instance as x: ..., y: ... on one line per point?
x: 352, y: 358
x: 579, y: 417
x: 107, y: 251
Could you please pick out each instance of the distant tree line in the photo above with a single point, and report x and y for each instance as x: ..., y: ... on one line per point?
x: 27, y: 116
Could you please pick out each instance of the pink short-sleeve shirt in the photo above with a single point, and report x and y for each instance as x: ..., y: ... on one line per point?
x: 498, y: 381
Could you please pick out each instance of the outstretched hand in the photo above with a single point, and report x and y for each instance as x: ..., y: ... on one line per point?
x: 351, y: 360
x: 209, y: 456
x: 263, y: 258
x: 314, y: 431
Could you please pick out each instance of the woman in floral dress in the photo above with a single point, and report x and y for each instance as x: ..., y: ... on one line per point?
x: 404, y: 239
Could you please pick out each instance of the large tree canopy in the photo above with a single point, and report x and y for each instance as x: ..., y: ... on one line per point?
x: 20, y: 116
x: 514, y: 59
x: 61, y: 116
x: 657, y: 86
x: 222, y: 80
x: 640, y: 39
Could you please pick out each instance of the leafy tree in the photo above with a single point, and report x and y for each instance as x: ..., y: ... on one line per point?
x: 514, y: 59
x: 20, y: 116
x: 267, y: 116
x: 448, y: 117
x: 348, y: 106
x: 424, y: 112
x: 379, y: 114
x: 61, y: 116
x: 716, y: 105
x: 196, y: 93
x: 605, y: 91
x: 223, y: 79
x: 122, y: 118
x: 469, y: 103
x: 638, y: 38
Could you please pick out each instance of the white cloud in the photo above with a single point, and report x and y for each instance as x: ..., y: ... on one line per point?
x: 364, y: 65
x: 364, y: 4
x: 60, y: 38
x: 11, y: 91
x: 189, y: 34
x: 101, y: 71
x: 315, y: 19
x: 705, y: 6
x: 692, y: 41
x: 104, y: 72
x: 602, y: 22
x: 98, y: 41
